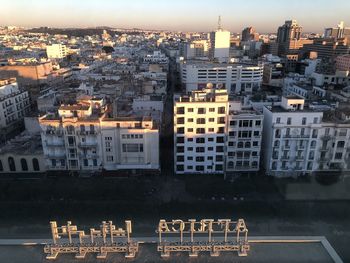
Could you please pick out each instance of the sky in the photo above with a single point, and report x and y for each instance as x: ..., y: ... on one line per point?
x: 179, y: 15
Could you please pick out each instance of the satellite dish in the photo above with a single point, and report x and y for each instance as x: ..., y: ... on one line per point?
x: 209, y: 85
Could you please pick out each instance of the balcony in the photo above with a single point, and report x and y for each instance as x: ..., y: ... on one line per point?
x: 87, y: 144
x: 56, y: 155
x: 324, y: 149
x: 299, y: 158
x: 326, y: 137
x: 285, y: 157
x: 55, y: 144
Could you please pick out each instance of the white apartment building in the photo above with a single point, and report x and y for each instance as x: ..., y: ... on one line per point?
x: 244, y: 133
x: 235, y: 78
x: 56, y: 51
x: 14, y: 104
x: 207, y: 132
x: 84, y: 137
x: 157, y: 57
x: 298, y: 140
x: 219, y: 45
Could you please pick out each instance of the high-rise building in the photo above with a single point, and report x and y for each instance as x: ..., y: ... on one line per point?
x: 343, y: 62
x: 289, y: 31
x: 219, y: 44
x: 249, y: 34
x: 337, y: 32
x: 56, y: 51
x: 289, y: 42
x: 215, y: 135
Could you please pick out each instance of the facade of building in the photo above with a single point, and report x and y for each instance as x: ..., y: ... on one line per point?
x: 56, y: 51
x: 298, y: 140
x: 213, y: 135
x: 234, y: 78
x: 84, y: 137
x: 342, y: 63
x: 14, y: 105
x: 23, y: 154
x: 219, y: 45
x: 249, y: 34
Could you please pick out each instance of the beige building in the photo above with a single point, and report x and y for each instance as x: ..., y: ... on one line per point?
x: 84, y: 137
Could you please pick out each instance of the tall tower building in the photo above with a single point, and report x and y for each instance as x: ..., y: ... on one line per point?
x: 249, y: 34
x: 219, y: 44
x: 289, y: 31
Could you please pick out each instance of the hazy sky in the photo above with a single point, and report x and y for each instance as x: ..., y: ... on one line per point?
x: 186, y: 15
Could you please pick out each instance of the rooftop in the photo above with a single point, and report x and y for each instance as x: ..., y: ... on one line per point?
x: 23, y: 144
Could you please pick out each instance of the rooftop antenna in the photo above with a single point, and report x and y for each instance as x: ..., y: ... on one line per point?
x: 219, y: 23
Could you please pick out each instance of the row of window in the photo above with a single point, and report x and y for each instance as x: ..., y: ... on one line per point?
x: 218, y: 158
x: 181, y: 130
x: 303, y: 120
x: 132, y: 136
x: 181, y: 120
x: 181, y: 149
x: 245, y: 123
x: 219, y: 139
x: 24, y: 165
x: 181, y: 110
x: 200, y: 168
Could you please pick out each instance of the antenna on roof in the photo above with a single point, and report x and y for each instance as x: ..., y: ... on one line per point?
x: 219, y: 23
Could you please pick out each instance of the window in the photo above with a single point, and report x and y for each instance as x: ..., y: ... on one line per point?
x: 315, y: 120
x: 257, y: 123
x: 180, y: 167
x: 35, y: 163
x: 199, y: 168
x: 200, y: 149
x: 256, y: 133
x: 289, y: 121
x: 219, y: 148
x: 180, y: 120
x: 200, y: 140
x: 190, y: 130
x: 180, y: 139
x: 220, y: 139
x: 200, y: 130
x: 278, y: 120
x: 211, y: 129
x: 92, y: 129
x: 189, y: 149
x: 94, y: 162
x: 190, y: 109
x: 341, y: 144
x: 110, y: 158
x: 180, y: 158
x: 219, y: 158
x: 233, y: 123
x: 180, y: 110
x: 338, y: 156
x: 303, y: 121
x: 24, y: 164
x: 211, y: 119
x: 190, y: 167
x: 86, y: 162
x: 132, y: 147
x: 1, y: 167
x: 200, y: 159
x: 201, y: 111
x: 190, y: 139
x: 221, y: 110
x: 210, y: 139
x: 221, y: 120
x: 255, y: 143
x: 211, y: 109
x: 181, y: 130
x: 190, y: 158
x: 245, y: 123
x: 210, y: 148
x: 201, y: 121
x: 190, y: 119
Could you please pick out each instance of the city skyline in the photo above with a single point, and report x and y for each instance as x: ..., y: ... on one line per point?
x: 179, y: 16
